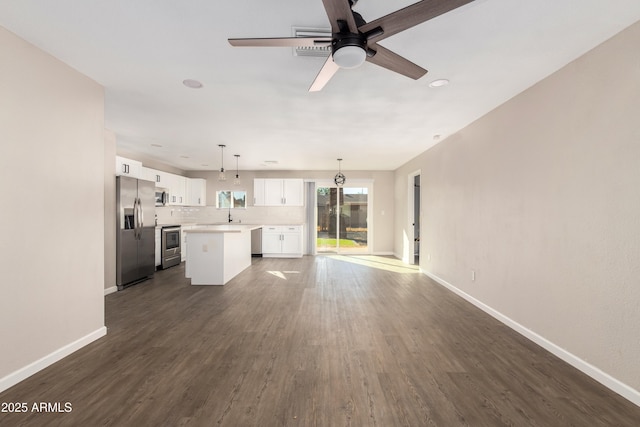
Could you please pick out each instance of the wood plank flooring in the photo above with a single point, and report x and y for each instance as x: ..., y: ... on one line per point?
x: 317, y: 341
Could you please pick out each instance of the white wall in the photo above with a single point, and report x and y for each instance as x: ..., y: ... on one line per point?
x: 540, y: 198
x: 110, y: 206
x: 52, y: 218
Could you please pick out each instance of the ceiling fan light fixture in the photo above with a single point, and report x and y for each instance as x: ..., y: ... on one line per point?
x: 349, y: 56
x: 349, y: 50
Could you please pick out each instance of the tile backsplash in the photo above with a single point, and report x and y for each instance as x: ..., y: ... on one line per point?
x: 209, y: 214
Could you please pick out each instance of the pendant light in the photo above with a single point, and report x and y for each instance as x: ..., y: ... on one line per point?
x: 339, y: 179
x: 236, y: 181
x: 221, y: 175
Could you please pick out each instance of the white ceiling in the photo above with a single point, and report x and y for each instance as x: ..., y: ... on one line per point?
x: 255, y: 100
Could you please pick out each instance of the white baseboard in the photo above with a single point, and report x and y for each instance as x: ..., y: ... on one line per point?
x: 110, y: 290
x: 603, y: 378
x: 23, y: 373
x: 384, y: 253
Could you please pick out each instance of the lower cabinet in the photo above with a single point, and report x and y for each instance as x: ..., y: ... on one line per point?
x: 183, y: 241
x: 282, y: 241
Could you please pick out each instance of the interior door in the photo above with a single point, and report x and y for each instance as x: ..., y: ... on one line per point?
x: 416, y: 220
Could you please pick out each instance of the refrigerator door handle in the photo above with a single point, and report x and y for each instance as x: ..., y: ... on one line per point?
x: 139, y: 218
x: 141, y: 222
x: 136, y: 219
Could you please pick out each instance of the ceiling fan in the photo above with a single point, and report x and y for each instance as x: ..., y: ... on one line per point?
x: 354, y: 41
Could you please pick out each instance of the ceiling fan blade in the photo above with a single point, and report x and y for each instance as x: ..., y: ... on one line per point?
x: 410, y: 16
x: 328, y: 70
x: 394, y: 62
x: 281, y: 42
x: 339, y: 10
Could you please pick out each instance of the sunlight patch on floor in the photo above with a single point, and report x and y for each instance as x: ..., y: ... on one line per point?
x: 383, y: 263
x: 282, y: 274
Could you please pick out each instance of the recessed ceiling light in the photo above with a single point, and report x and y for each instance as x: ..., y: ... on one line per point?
x: 184, y: 157
x: 193, y: 84
x: 156, y: 145
x: 271, y: 162
x: 205, y: 165
x: 436, y: 137
x: 439, y: 83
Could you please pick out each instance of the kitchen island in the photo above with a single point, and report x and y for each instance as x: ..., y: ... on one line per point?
x: 217, y: 253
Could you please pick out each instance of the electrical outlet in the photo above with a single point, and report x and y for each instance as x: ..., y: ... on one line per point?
x: 428, y: 257
x: 205, y: 248
x: 473, y: 275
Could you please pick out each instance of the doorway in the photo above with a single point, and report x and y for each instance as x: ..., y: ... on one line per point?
x: 416, y: 220
x: 411, y: 252
x: 342, y: 219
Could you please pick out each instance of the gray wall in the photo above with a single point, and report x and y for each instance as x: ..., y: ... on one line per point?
x: 52, y: 220
x: 540, y: 198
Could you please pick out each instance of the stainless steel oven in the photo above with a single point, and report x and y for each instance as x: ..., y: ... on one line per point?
x: 171, y: 246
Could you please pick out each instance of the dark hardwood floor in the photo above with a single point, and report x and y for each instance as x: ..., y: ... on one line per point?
x: 317, y: 341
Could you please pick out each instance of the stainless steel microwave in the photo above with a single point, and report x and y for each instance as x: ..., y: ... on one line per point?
x: 162, y: 198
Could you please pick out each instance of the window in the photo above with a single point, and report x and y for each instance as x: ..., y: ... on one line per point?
x: 226, y: 199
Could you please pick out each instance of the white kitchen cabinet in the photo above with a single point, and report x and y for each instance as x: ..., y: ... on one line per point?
x: 278, y: 192
x: 148, y: 174
x: 258, y: 192
x: 128, y: 167
x: 273, y: 192
x: 183, y: 191
x: 292, y: 240
x: 177, y: 190
x: 183, y: 241
x: 160, y: 178
x: 196, y: 192
x: 271, y: 240
x: 293, y: 192
x: 282, y: 241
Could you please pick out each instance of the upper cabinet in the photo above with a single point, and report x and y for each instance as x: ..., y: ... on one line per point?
x: 127, y: 167
x: 278, y: 192
x: 159, y: 177
x: 182, y: 191
x: 258, y: 192
x: 293, y: 192
x: 196, y: 191
x: 177, y: 190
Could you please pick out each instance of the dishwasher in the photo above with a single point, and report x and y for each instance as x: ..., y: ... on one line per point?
x: 256, y: 242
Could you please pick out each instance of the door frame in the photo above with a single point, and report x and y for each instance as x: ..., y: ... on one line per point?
x: 368, y: 183
x: 409, y: 252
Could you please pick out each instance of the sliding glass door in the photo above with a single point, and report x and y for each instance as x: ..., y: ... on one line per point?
x: 342, y: 219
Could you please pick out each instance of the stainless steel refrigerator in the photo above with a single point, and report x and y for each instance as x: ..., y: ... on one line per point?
x: 135, y: 239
